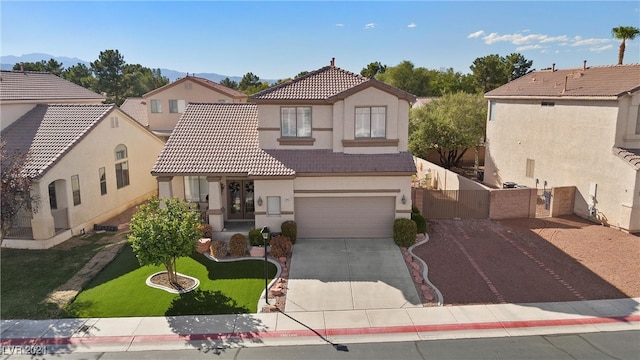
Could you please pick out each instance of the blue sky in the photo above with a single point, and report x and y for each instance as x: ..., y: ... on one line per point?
x: 276, y: 40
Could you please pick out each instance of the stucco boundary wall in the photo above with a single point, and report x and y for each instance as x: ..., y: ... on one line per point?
x: 503, y: 203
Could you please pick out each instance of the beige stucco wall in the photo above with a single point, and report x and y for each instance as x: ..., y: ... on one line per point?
x: 571, y: 144
x: 333, y: 123
x: 96, y: 150
x: 189, y: 91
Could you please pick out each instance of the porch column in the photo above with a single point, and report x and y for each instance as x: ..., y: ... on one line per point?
x: 216, y: 210
x: 42, y: 224
x: 165, y: 189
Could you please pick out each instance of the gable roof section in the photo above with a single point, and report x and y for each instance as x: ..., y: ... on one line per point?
x: 632, y: 156
x: 324, y: 86
x: 48, y: 132
x: 235, y: 94
x: 222, y: 139
x: 137, y: 109
x: 40, y: 86
x: 609, y: 82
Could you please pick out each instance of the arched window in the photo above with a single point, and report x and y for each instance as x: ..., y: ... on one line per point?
x: 122, y: 166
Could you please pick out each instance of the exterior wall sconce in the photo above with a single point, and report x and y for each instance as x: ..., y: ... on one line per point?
x: 404, y: 199
x: 259, y: 200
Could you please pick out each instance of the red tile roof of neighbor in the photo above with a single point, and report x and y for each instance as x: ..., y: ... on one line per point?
x: 632, y: 156
x: 41, y: 86
x: 137, y: 109
x: 47, y: 132
x: 232, y: 93
x: 325, y: 85
x: 223, y: 139
x: 599, y: 81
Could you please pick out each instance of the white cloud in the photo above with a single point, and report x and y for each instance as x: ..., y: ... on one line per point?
x: 601, y: 48
x: 519, y: 39
x: 370, y: 26
x: 412, y: 25
x: 528, y: 47
x: 476, y: 34
x: 588, y: 42
x: 340, y: 25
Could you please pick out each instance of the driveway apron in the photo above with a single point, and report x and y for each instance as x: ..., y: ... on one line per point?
x: 349, y: 274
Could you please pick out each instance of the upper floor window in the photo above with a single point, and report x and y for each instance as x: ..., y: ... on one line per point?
x: 638, y: 123
x: 196, y: 188
x: 102, y: 175
x: 492, y: 110
x: 295, y: 121
x: 156, y: 106
x: 122, y: 166
x: 371, y: 122
x: 176, y: 106
x: 75, y: 189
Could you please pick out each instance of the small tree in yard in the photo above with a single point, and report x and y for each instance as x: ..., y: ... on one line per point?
x: 162, y: 230
x: 16, y: 189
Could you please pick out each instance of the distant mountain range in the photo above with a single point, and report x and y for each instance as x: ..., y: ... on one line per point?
x: 8, y: 61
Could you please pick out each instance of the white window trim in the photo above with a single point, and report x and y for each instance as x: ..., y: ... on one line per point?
x: 370, y: 134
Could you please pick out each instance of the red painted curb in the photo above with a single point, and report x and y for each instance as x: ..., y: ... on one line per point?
x: 315, y: 333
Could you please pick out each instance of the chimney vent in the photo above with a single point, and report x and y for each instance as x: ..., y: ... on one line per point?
x: 553, y: 67
x: 584, y: 65
x: 333, y: 62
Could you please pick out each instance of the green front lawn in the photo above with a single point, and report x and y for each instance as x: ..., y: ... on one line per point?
x: 120, y: 289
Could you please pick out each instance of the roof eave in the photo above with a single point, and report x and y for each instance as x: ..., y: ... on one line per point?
x: 551, y: 97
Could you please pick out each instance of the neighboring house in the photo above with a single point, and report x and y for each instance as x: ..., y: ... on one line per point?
x: 577, y: 127
x: 21, y: 91
x: 88, y: 163
x: 165, y: 105
x: 137, y: 109
x: 328, y: 150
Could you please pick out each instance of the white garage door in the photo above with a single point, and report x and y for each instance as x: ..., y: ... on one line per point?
x: 345, y: 217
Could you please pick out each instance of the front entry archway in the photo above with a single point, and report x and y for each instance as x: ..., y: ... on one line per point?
x: 240, y: 198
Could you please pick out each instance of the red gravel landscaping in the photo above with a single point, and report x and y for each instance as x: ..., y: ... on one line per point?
x: 530, y: 260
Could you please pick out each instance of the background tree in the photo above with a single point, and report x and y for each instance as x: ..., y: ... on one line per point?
x: 229, y: 83
x: 251, y: 84
x: 406, y: 77
x: 108, y: 70
x: 16, y: 197
x: 138, y: 80
x: 450, y: 125
x: 163, y: 230
x: 624, y: 33
x: 449, y: 81
x: 493, y: 71
x: 373, y: 69
x: 51, y: 66
x: 80, y: 74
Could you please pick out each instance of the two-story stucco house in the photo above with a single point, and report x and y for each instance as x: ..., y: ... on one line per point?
x: 88, y: 162
x: 327, y: 150
x: 165, y: 105
x: 578, y: 127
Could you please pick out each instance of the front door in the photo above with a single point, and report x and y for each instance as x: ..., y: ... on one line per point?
x: 240, y: 197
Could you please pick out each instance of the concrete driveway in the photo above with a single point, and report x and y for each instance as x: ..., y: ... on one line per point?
x: 349, y: 274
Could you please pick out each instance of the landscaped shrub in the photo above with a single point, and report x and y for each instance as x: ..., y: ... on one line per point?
x: 280, y: 246
x: 415, y: 210
x: 255, y: 237
x: 421, y: 222
x: 404, y: 232
x: 219, y: 249
x: 289, y: 229
x: 206, y: 230
x: 238, y: 245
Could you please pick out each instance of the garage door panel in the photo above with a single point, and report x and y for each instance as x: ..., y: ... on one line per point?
x: 345, y: 217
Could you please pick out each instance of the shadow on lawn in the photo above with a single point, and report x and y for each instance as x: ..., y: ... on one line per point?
x: 202, y: 302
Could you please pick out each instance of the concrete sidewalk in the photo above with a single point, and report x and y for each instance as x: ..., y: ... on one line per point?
x: 321, y: 327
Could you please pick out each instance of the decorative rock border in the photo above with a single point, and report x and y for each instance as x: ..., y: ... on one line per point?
x: 421, y: 278
x: 172, y: 290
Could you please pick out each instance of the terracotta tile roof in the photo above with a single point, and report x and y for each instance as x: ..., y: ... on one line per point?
x: 232, y: 93
x: 630, y: 155
x: 38, y: 86
x: 327, y: 161
x: 48, y: 132
x: 223, y: 139
x: 600, y: 81
x: 217, y: 139
x: 137, y: 109
x: 327, y: 85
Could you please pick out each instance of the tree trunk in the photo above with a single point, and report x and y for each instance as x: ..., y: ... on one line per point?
x: 621, y: 52
x: 171, y: 275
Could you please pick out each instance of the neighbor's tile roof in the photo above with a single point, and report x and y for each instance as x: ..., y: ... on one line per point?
x: 232, y: 93
x: 39, y: 86
x: 327, y: 161
x: 223, y: 139
x: 597, y: 81
x: 48, y: 132
x: 136, y: 108
x: 217, y: 139
x: 632, y: 156
x: 326, y: 84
